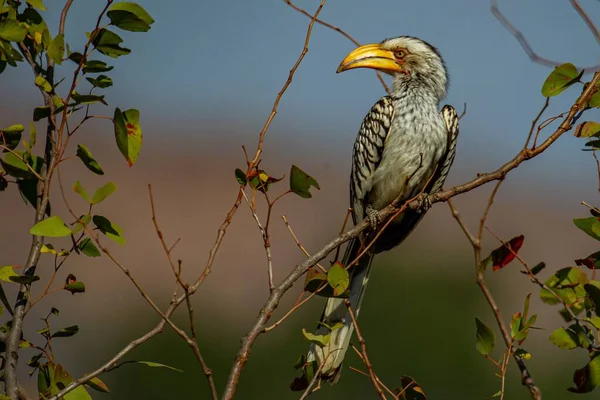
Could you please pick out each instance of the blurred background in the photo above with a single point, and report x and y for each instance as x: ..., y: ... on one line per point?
x: 205, y: 78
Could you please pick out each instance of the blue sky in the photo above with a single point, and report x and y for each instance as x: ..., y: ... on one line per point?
x: 210, y: 61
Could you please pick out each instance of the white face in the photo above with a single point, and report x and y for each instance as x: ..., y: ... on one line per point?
x: 415, y: 55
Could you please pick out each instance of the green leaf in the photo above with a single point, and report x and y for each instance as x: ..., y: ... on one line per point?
x: 240, y: 176
x: 28, y: 191
x: 66, y: 332
x: 87, y: 98
x: 319, y: 340
x: 12, y: 30
x: 6, y: 272
x: 108, y: 43
x: 50, y: 227
x: 16, y: 167
x: 97, y: 384
x: 11, y: 136
x: 128, y: 134
x: 88, y: 248
x: 338, y: 278
x: 75, y: 287
x: 81, y: 223
x: 130, y: 17
x: 593, y: 292
x: 538, y: 268
x: 595, y: 321
x: 560, y: 79
x: 565, y: 339
x: 587, y: 378
x: 568, y: 284
x: 103, y: 192
x: 43, y: 84
x: 157, y: 365
x: 88, y: 160
x: 48, y: 248
x: 24, y: 279
x: 56, y: 49
x: 39, y: 4
x: 300, y: 182
x: 595, y: 100
x: 110, y: 229
x: 53, y: 378
x: 587, y: 129
x: 80, y: 190
x: 315, y: 278
x: 41, y: 113
x: 94, y: 66
x: 101, y: 81
x: 486, y: 338
x: 260, y: 180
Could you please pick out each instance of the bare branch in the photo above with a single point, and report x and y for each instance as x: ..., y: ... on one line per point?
x: 265, y: 236
x: 276, y: 295
x: 363, y: 347
x: 340, y: 31
x: 523, y: 41
x: 588, y: 21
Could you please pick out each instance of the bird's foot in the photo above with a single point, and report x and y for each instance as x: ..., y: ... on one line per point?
x: 372, y: 216
x: 424, y: 203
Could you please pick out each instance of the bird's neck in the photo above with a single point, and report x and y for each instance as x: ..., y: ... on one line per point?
x: 425, y: 90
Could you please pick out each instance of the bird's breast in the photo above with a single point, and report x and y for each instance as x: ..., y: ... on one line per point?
x: 414, y: 146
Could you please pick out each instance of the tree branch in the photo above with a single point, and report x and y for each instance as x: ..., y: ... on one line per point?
x: 522, y: 41
x: 276, y: 295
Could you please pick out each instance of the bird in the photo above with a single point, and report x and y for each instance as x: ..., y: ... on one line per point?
x: 404, y: 149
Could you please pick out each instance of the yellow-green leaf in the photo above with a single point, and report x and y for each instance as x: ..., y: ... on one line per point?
x: 128, y: 133
x: 587, y: 129
x: 560, y: 79
x: 6, y: 272
x: 50, y: 227
x: 486, y: 338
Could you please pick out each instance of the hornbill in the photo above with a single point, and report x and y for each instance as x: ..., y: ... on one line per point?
x: 404, y: 148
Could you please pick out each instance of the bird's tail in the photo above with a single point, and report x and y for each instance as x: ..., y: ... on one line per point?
x: 329, y: 357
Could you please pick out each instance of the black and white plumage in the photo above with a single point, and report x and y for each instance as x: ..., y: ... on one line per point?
x: 405, y: 146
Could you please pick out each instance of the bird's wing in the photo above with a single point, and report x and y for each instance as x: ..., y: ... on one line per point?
x: 450, y: 118
x: 368, y: 149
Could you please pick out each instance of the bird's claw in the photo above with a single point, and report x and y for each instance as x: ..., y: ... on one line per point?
x: 424, y: 203
x: 372, y: 216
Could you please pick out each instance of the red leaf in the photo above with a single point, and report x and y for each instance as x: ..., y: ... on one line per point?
x: 503, y: 255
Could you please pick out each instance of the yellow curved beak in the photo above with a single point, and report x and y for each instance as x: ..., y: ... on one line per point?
x: 370, y: 56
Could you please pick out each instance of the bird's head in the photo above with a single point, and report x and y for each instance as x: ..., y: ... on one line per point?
x: 407, y: 59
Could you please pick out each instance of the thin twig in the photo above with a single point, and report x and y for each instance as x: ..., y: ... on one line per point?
x: 265, y: 237
x: 193, y: 341
x: 340, y: 31
x: 586, y: 18
x: 242, y: 356
x: 275, y: 296
x: 161, y: 238
x: 523, y: 41
x: 526, y: 378
x: 363, y: 347
x: 346, y: 218
x: 289, y: 227
x: 461, y: 223
x: 534, y: 123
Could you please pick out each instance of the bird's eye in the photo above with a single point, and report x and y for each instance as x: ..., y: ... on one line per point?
x: 399, y: 53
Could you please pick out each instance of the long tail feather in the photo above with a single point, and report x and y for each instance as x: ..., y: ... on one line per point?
x: 330, y: 357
